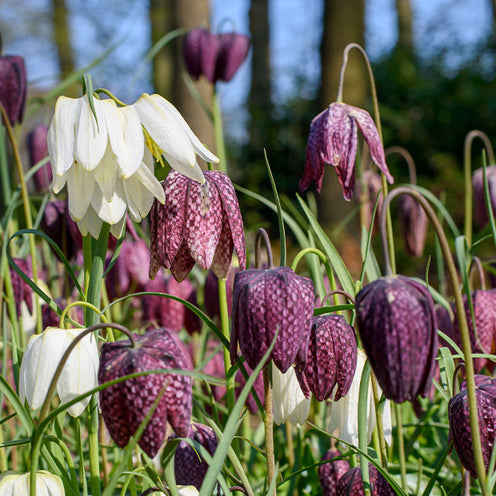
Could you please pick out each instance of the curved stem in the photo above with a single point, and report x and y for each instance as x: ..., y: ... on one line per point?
x: 304, y: 252
x: 86, y: 304
x: 467, y: 166
x: 262, y: 233
x: 480, y: 270
x: 412, y: 173
x: 111, y: 95
x: 337, y: 291
x: 462, y: 320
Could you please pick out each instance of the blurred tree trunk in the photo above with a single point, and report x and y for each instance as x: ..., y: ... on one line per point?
x: 168, y: 66
x: 344, y: 22
x: 259, y: 101
x: 62, y: 39
x: 405, y: 32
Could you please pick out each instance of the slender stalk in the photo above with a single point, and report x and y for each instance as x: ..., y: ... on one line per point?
x: 269, y: 429
x: 467, y: 167
x: 462, y: 321
x: 224, y: 324
x: 289, y: 440
x: 378, y: 421
x: 262, y: 233
x: 477, y: 267
x: 79, y: 304
x: 27, y: 209
x: 219, y: 134
x: 401, y: 444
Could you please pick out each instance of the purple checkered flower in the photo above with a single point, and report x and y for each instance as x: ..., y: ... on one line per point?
x: 266, y: 301
x: 333, y: 140
x: 13, y: 86
x: 331, y: 359
x: 198, y: 223
x: 396, y: 321
x: 351, y: 483
x: 331, y: 472
x: 125, y: 405
x: 459, y: 421
x: 38, y: 150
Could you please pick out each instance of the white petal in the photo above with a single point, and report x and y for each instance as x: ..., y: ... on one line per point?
x: 110, y: 211
x: 187, y: 491
x: 59, y: 182
x: 52, y: 483
x: 92, y: 137
x: 147, y: 178
x: 7, y: 484
x: 117, y: 230
x: 168, y: 132
x: 61, y: 134
x: 138, y: 198
x: 105, y: 173
x: 80, y: 187
x: 90, y: 223
x: 134, y: 142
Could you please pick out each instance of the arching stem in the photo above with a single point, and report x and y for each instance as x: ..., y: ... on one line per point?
x: 477, y: 266
x: 262, y: 233
x: 412, y: 173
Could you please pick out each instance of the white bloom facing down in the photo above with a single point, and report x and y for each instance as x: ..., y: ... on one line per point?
x: 344, y: 413
x: 289, y: 402
x: 41, y: 359
x: 187, y: 491
x: 47, y: 484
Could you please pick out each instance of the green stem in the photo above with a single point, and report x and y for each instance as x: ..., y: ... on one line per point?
x: 379, y: 424
x: 269, y: 428
x: 401, y: 444
x: 219, y: 134
x: 462, y: 321
x: 79, y: 304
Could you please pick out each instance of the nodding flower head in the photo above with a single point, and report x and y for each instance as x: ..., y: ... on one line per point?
x: 13, y: 87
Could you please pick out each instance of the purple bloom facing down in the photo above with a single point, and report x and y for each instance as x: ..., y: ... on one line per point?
x: 330, y: 473
x: 333, y: 140
x: 265, y: 301
x: 189, y: 467
x: 415, y: 222
x: 125, y: 405
x: 396, y: 321
x: 38, y: 150
x: 198, y: 223
x: 459, y: 421
x: 200, y: 49
x: 13, y: 86
x: 233, y: 50
x: 331, y: 359
x: 351, y: 483
x: 480, y: 211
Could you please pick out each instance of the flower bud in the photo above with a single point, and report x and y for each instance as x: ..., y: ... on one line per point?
x: 13, y: 87
x: 330, y: 473
x: 415, y: 222
x: 351, y: 483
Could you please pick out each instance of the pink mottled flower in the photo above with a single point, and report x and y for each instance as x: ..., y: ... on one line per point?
x: 198, y: 223
x: 38, y: 150
x: 331, y: 472
x: 333, y: 140
x: 125, y: 405
x: 13, y: 86
x: 351, y: 483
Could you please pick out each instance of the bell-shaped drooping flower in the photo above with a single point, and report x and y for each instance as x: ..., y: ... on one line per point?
x: 170, y: 132
x: 38, y: 150
x: 396, y: 321
x: 483, y: 338
x: 198, y: 223
x: 351, y: 483
x: 414, y: 222
x: 101, y: 156
x: 215, y: 56
x: 480, y: 211
x: 367, y: 191
x: 42, y: 358
x: 189, y: 466
x: 459, y: 421
x: 47, y: 484
x: 288, y: 401
x: 333, y: 140
x: 331, y: 358
x: 187, y: 491
x: 13, y: 86
x: 344, y: 413
x: 331, y: 472
x: 125, y: 405
x: 266, y: 301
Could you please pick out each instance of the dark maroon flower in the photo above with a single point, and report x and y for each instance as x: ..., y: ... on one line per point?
x: 265, y: 301
x: 167, y: 312
x: 211, y: 292
x: 483, y: 341
x: 189, y: 466
x: 459, y: 421
x: 351, y: 483
x: 232, y: 52
x: 258, y: 385
x: 125, y: 405
x: 480, y: 211
x: 22, y: 292
x: 372, y: 185
x: 331, y: 359
x: 38, y: 150
x: 444, y: 323
x: 13, y: 86
x: 396, y: 321
x: 330, y: 473
x: 333, y: 140
x: 198, y: 223
x: 414, y: 221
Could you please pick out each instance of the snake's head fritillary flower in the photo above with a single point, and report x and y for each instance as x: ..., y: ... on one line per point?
x: 331, y: 472
x: 331, y: 358
x: 19, y: 485
x: 289, y: 402
x: 125, y: 405
x: 233, y: 50
x: 396, y: 321
x: 266, y: 301
x: 13, y: 86
x: 38, y: 150
x: 344, y: 412
x: 333, y: 140
x: 483, y: 338
x: 351, y: 483
x: 198, y: 223
x: 189, y: 466
x: 459, y: 421
x: 414, y: 222
x: 480, y: 211
x: 41, y: 359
